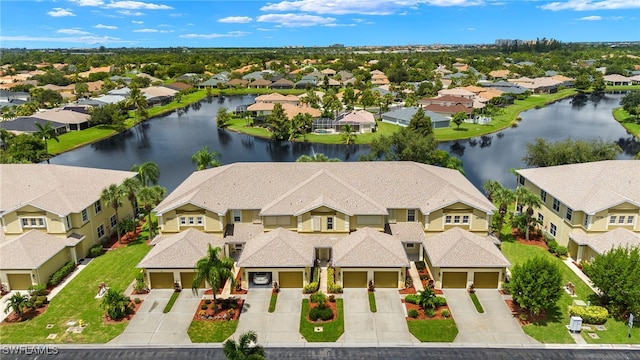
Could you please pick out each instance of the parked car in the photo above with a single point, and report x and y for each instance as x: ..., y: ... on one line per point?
x: 261, y: 278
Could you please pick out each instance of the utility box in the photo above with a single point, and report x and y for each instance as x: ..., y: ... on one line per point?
x: 575, y: 324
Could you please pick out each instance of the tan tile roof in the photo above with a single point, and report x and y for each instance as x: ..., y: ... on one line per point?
x: 460, y: 248
x: 456, y: 92
x: 63, y: 116
x: 242, y: 232
x: 589, y: 187
x: 30, y: 250
x: 392, y: 184
x: 159, y: 91
x: 278, y: 248
x: 410, y: 232
x: 180, y: 251
x: 369, y: 248
x: 358, y: 116
x: 236, y: 82
x: 604, y: 242
x: 56, y: 188
x: 277, y: 98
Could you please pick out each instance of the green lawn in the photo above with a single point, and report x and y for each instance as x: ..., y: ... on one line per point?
x: 273, y: 302
x: 372, y: 302
x: 433, y: 330
x: 74, y: 139
x: 476, y: 303
x: 77, y: 302
x: 331, y: 330
x: 630, y: 123
x: 172, y: 301
x: 616, y: 333
x: 211, y: 331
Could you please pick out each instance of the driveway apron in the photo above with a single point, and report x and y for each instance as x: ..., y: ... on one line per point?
x: 495, y: 326
x: 284, y: 323
x: 255, y: 315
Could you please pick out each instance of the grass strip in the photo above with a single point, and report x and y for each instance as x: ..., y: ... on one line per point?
x: 272, y: 303
x: 172, y: 301
x: 331, y: 331
x: 372, y: 301
x: 476, y: 302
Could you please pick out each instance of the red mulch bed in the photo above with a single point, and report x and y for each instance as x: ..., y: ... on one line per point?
x: 210, y: 292
x: 133, y: 305
x: 216, y: 314
x: 408, y: 290
x: 331, y: 305
x: 125, y: 239
x: 422, y: 316
x: 534, y: 239
x: 30, y: 314
x: 235, y: 291
x: 516, y: 311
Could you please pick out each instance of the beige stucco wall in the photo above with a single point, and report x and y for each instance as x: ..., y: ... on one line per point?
x: 170, y: 221
x: 56, y: 262
x: 478, y: 219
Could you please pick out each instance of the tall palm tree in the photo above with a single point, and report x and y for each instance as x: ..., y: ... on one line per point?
x: 213, y: 269
x: 491, y: 187
x: 148, y: 198
x: 531, y: 201
x: 112, y: 195
x: 204, y: 158
x: 246, y: 348
x: 501, y: 197
x: 137, y: 101
x: 130, y: 186
x: 349, y: 134
x: 148, y: 173
x: 46, y: 132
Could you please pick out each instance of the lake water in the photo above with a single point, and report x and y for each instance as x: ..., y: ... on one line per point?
x: 171, y: 140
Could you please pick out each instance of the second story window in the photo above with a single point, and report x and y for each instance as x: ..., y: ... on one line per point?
x: 556, y: 204
x: 465, y: 219
x: 630, y: 219
x: 112, y: 221
x: 97, y: 207
x: 569, y: 214
x: 543, y: 195
x: 540, y: 217
x: 85, y: 216
x: 612, y: 219
x: 237, y: 216
x: 411, y: 215
x: 553, y: 229
x: 34, y: 222
x: 447, y: 219
x: 521, y: 179
x: 330, y: 223
x: 191, y: 220
x: 620, y: 219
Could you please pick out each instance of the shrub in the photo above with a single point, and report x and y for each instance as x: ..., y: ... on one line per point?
x: 57, y: 277
x: 445, y: 313
x: 43, y: 299
x: 203, y: 307
x: 412, y: 298
x: 140, y: 286
x: 506, y: 288
x: 38, y: 290
x: 408, y: 282
x: 552, y: 246
x: 137, y: 300
x: 96, y: 250
x: 207, y: 301
x: 562, y: 250
x: 38, y: 304
x: 335, y: 288
x: 413, y: 313
x: 332, y: 298
x: 420, y: 265
x: 310, y: 288
x: 596, y: 315
x: 318, y: 313
x: 319, y: 298
x: 331, y: 282
x: 439, y: 301
x: 430, y: 312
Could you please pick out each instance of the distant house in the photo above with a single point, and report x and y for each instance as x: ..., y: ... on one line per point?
x: 278, y: 98
x: 259, y: 84
x: 157, y: 95
x: 73, y: 120
x: 123, y: 79
x: 178, y: 86
x: 8, y: 95
x: 344, y: 75
x: 362, y: 121
x: 328, y: 72
x: 189, y: 78
x: 500, y: 74
x: 447, y: 100
x: 459, y: 92
x: 617, y: 80
x: 402, y: 117
x: 211, y: 83
x: 307, y: 82
x: 448, y: 110
x: 237, y: 83
x: 26, y: 124
x: 505, y: 87
x: 282, y: 84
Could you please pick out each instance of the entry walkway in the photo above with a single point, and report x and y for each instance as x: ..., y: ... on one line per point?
x: 495, y: 326
x: 151, y: 326
x: 387, y: 326
x: 581, y: 275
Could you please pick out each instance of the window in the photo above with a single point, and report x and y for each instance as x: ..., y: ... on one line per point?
x: 569, y: 214
x: 85, y: 216
x: 456, y: 219
x: 330, y: 223
x: 237, y: 216
x: 100, y: 231
x: 553, y: 229
x: 35, y: 222
x: 192, y: 220
x: 612, y: 219
x: 630, y: 219
x: 621, y: 219
x: 540, y: 217
x: 447, y: 219
x: 543, y: 195
x: 112, y: 221
x: 556, y: 205
x: 97, y: 207
x: 68, y: 219
x: 465, y: 219
x: 409, y: 245
x: 183, y: 221
x: 586, y: 220
x: 411, y: 215
x: 238, y: 247
x: 521, y: 180
x: 199, y: 220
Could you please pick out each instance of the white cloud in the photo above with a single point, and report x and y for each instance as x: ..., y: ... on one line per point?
x: 130, y: 13
x: 471, y: 29
x: 108, y: 27
x: 72, y: 32
x: 59, y: 12
x: 236, y: 19
x: 88, y: 2
x: 190, y: 24
x: 295, y: 20
x: 89, y: 40
x: 136, y: 5
x: 589, y: 5
x: 140, y: 22
x: 146, y: 30
x: 265, y: 29
x: 342, y: 7
x: 215, y: 35
x: 591, y: 18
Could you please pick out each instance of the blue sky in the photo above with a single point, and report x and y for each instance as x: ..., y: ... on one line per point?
x: 252, y: 23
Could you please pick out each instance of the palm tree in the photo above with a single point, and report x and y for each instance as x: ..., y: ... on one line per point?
x: 130, y: 186
x: 18, y: 303
x: 349, y: 134
x: 137, y: 101
x: 501, y: 197
x: 148, y: 197
x: 316, y: 157
x: 148, y: 173
x: 426, y: 298
x: 204, y: 158
x: 531, y: 201
x: 115, y: 303
x: 213, y: 269
x: 246, y: 348
x: 112, y: 195
x: 8, y: 113
x: 46, y: 132
x: 491, y: 187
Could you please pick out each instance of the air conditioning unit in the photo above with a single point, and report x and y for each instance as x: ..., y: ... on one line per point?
x: 575, y: 324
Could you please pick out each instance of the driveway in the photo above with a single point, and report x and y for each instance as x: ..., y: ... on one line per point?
x: 495, y: 326
x: 151, y: 326
x: 281, y: 326
x: 387, y: 326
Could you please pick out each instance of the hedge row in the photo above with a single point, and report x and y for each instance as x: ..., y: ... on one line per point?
x: 61, y: 273
x: 596, y: 315
x: 331, y: 282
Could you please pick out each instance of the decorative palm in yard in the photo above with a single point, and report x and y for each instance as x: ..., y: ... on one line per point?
x: 148, y: 173
x: 213, y: 269
x: 115, y: 303
x: 204, y: 158
x: 501, y: 197
x: 130, y: 186
x: 112, y: 195
x: 529, y: 201
x: 46, y: 132
x: 349, y: 134
x: 148, y: 198
x: 246, y: 348
x: 18, y: 303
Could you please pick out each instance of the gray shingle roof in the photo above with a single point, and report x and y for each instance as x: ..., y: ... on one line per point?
x: 460, y: 248
x: 369, y: 248
x: 589, y: 187
x: 56, y: 188
x: 30, y: 250
x: 180, y: 251
x: 602, y: 243
x: 27, y: 124
x: 392, y: 185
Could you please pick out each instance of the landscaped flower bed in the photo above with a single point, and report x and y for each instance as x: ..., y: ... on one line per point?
x: 226, y: 310
x: 329, y: 304
x: 134, y: 306
x: 238, y: 290
x: 421, y: 315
